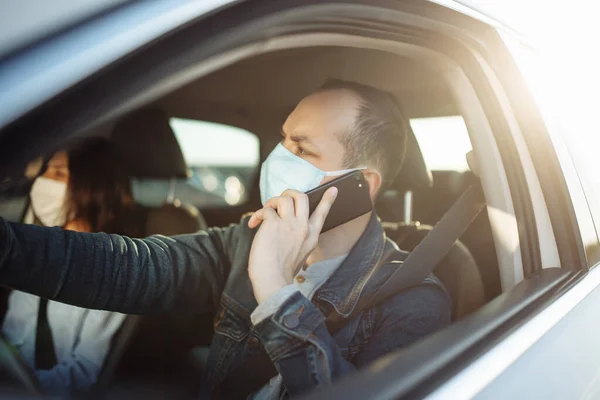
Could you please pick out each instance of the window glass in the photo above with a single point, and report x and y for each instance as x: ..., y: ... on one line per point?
x: 216, y: 145
x: 223, y: 161
x: 444, y: 142
x: 568, y: 104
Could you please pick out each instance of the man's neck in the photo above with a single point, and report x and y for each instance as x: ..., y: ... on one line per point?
x: 339, y: 240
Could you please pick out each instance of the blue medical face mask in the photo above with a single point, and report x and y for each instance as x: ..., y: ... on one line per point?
x: 284, y: 170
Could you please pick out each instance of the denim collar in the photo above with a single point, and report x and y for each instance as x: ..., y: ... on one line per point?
x: 343, y: 289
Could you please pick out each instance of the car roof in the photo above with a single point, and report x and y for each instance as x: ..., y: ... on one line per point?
x: 40, y: 65
x: 521, y: 18
x: 26, y: 21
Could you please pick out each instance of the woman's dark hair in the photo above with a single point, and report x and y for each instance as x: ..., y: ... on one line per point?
x: 100, y: 188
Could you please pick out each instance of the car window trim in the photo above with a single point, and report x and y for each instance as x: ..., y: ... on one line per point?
x: 550, y: 168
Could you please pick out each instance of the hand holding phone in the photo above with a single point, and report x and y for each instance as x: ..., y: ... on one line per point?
x: 286, y: 237
x: 352, y: 201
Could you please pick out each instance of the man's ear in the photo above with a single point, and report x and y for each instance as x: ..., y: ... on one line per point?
x: 375, y: 180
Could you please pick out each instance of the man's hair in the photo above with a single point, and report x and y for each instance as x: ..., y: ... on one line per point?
x: 378, y: 137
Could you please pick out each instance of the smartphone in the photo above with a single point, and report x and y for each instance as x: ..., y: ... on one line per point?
x: 352, y: 201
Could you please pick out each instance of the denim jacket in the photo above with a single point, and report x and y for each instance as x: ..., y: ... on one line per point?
x: 207, y: 271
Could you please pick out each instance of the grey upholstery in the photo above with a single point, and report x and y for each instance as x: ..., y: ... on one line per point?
x: 171, y: 219
x: 414, y: 174
x: 458, y: 270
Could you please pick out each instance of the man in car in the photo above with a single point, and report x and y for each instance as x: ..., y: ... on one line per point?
x: 272, y: 280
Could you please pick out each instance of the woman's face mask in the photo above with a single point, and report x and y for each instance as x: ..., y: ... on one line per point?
x: 284, y: 170
x: 48, y: 198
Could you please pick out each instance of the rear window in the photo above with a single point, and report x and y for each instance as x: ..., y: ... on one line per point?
x: 216, y: 145
x: 444, y: 142
x: 223, y: 161
x: 223, y: 158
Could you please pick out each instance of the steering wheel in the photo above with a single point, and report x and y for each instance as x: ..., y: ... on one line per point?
x: 14, y: 373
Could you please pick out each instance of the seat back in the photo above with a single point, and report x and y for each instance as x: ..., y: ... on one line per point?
x: 120, y: 341
x: 413, y: 176
x: 147, y: 141
x: 174, y: 219
x: 458, y: 271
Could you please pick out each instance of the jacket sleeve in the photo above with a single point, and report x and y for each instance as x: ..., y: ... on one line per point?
x: 80, y: 370
x: 116, y: 273
x: 307, y: 356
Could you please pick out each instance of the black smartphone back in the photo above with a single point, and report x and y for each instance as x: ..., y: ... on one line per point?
x: 352, y: 201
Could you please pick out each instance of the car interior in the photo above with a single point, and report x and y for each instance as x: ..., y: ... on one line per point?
x: 194, y: 100
x: 256, y: 94
x: 195, y: 140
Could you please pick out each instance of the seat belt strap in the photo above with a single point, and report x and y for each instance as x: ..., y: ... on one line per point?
x: 421, y: 262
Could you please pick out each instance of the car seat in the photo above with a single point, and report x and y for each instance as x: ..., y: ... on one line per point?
x: 147, y: 142
x: 458, y: 270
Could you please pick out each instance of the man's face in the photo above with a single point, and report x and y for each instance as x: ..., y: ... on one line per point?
x: 314, y: 129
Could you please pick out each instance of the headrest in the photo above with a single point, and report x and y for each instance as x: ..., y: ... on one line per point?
x: 148, y: 143
x: 414, y: 174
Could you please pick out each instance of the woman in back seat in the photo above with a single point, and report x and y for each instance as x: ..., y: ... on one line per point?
x: 84, y: 189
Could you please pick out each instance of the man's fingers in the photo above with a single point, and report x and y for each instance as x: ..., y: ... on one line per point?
x: 300, y: 202
x: 283, y: 205
x: 291, y: 203
x: 260, y: 216
x: 317, y: 219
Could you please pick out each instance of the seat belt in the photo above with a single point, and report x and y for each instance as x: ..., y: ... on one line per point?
x: 421, y: 262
